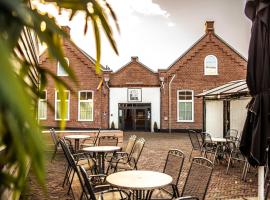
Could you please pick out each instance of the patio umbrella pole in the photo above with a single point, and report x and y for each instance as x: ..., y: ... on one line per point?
x: 261, y: 183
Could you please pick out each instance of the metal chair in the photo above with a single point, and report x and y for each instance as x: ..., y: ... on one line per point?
x: 90, y: 194
x: 232, y: 133
x: 198, y: 178
x: 187, y: 198
x: 195, y: 142
x: 55, y: 141
x: 107, y: 141
x: 235, y: 154
x: 131, y: 162
x: 173, y: 167
x: 209, y: 147
x: 90, y: 142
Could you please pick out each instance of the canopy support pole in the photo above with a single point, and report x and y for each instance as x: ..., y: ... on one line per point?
x: 261, y: 183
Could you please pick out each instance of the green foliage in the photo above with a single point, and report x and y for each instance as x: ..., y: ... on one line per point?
x: 155, y: 127
x: 20, y: 89
x: 112, y: 126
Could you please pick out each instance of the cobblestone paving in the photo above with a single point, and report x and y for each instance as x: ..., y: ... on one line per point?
x: 222, y: 186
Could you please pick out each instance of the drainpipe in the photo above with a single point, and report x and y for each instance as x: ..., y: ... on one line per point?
x: 170, y: 106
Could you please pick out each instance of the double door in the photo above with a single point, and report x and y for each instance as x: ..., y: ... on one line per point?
x: 135, y: 117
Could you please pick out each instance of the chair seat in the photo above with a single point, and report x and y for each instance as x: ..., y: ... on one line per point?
x: 124, y: 166
x: 111, y: 196
x: 84, y: 145
x: 87, y: 164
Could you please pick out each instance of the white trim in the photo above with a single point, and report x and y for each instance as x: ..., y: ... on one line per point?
x: 55, y: 106
x: 58, y: 66
x: 43, y: 100
x: 79, y: 92
x: 216, y: 65
x: 192, y: 109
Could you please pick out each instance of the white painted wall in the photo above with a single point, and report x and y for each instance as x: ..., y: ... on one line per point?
x: 214, y: 118
x: 149, y: 95
x: 238, y: 113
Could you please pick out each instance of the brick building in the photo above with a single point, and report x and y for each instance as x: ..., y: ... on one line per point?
x: 135, y: 97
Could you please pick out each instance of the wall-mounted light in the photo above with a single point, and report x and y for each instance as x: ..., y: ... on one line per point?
x: 161, y: 78
x: 107, y: 79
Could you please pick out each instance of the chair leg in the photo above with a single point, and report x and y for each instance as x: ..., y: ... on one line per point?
x: 72, y: 177
x: 229, y: 162
x: 190, y: 154
x: 66, y: 176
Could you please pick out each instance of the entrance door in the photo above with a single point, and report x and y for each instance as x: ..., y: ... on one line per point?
x: 135, y: 117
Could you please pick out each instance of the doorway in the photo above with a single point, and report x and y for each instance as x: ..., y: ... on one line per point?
x: 135, y: 116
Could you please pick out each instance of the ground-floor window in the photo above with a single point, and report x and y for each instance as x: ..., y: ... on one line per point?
x: 85, y: 112
x: 58, y: 105
x: 42, y: 105
x: 185, y: 106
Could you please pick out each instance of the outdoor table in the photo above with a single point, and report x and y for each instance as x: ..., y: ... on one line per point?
x: 221, y: 142
x: 141, y: 182
x: 77, y: 139
x: 101, y: 151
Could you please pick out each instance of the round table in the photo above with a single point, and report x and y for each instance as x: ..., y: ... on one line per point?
x: 101, y: 151
x: 140, y: 181
x: 77, y: 139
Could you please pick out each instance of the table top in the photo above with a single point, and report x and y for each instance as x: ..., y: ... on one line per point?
x: 102, y: 148
x: 217, y: 139
x: 77, y: 136
x: 139, y: 179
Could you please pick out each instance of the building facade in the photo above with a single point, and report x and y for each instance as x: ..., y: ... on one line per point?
x: 137, y: 98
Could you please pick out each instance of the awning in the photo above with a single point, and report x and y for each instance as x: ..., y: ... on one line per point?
x: 231, y: 89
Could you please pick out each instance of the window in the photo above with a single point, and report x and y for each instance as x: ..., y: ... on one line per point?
x: 85, y: 106
x: 60, y: 69
x: 210, y: 65
x: 58, y: 107
x: 185, y: 106
x: 42, y: 106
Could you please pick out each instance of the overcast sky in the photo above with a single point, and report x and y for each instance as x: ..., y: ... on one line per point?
x: 159, y: 31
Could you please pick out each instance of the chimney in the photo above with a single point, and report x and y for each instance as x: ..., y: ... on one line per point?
x: 134, y: 58
x: 66, y: 29
x: 209, y: 26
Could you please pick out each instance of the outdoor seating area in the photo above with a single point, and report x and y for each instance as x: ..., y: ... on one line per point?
x: 149, y: 166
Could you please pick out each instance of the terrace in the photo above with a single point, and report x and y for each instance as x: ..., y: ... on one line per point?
x: 153, y: 157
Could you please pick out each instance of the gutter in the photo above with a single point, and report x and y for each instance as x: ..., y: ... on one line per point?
x: 170, y: 106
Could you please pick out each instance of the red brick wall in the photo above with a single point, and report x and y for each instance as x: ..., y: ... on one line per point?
x: 134, y: 74
x: 189, y: 74
x: 87, y: 79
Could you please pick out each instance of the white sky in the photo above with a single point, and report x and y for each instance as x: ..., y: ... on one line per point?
x: 159, y: 31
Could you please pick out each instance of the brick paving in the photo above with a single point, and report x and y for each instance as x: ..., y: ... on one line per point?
x: 222, y: 186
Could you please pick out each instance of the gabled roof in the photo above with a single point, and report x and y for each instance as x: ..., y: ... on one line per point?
x: 232, y: 88
x: 143, y: 65
x: 198, y: 41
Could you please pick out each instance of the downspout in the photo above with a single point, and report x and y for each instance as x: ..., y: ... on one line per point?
x: 170, y: 106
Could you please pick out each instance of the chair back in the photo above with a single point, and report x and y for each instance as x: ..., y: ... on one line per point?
x: 194, y: 139
x: 136, y: 152
x: 107, y: 141
x: 198, y: 178
x: 87, y: 186
x: 54, y: 136
x: 232, y: 133
x: 96, y: 137
x: 174, y: 163
x: 130, y: 144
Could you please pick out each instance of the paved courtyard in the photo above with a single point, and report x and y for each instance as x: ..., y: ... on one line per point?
x: 222, y: 186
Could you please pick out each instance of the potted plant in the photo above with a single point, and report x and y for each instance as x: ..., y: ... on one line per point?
x: 112, y: 125
x: 155, y: 127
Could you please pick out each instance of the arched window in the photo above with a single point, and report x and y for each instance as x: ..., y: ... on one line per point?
x: 60, y: 70
x: 210, y: 65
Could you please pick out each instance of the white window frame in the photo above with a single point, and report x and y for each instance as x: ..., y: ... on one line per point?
x: 79, y: 101
x: 43, y: 100
x: 186, y: 101
x: 55, y: 106
x: 59, y: 65
x: 215, y: 66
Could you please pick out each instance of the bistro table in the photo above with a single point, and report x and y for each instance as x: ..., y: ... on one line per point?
x: 101, y: 151
x: 77, y: 139
x: 141, y: 182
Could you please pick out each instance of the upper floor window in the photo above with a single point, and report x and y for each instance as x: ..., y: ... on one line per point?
x: 42, y: 105
x: 60, y: 70
x: 210, y: 65
x: 85, y: 106
x: 58, y: 105
x: 185, y: 106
